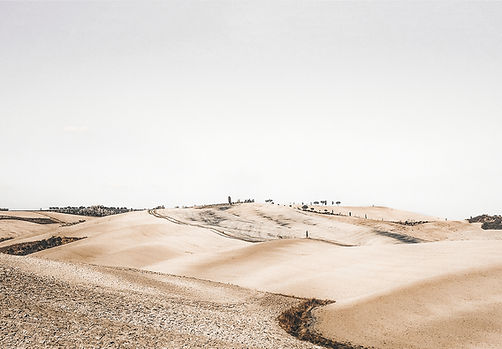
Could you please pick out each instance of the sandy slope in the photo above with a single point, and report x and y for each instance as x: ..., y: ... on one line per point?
x: 24, y: 231
x: 18, y: 229
x: 316, y: 269
x: 63, y: 217
x: 275, y: 221
x: 387, y: 291
x: 136, y: 239
x: 459, y: 310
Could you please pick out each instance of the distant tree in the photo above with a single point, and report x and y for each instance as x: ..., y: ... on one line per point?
x: 305, y: 207
x: 338, y: 202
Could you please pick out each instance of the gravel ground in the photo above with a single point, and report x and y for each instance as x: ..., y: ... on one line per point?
x: 53, y: 304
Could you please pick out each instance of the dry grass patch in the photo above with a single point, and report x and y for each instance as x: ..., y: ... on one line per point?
x: 298, y: 321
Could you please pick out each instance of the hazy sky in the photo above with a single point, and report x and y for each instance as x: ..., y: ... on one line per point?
x: 183, y: 102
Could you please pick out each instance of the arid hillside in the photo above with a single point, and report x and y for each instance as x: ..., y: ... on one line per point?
x: 397, y: 267
x: 47, y: 304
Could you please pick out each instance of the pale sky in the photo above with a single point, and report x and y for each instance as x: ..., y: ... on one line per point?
x: 187, y: 102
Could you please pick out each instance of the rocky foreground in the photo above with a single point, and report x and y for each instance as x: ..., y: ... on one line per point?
x: 52, y: 304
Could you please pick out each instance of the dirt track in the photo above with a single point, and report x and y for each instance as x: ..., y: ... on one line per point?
x: 214, y: 230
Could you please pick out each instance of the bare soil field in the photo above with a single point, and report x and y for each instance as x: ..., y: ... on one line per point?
x: 54, y: 304
x: 374, y: 281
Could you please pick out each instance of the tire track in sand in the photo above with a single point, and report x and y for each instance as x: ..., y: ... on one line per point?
x: 214, y: 230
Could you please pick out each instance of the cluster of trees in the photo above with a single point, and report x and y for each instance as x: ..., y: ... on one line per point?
x: 325, y: 202
x: 94, y: 211
x: 246, y: 201
x: 3, y: 209
x: 332, y: 212
x: 489, y: 222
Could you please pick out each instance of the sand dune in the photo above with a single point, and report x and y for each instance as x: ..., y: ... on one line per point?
x: 62, y: 217
x: 275, y: 221
x: 134, y: 240
x: 395, y: 286
x: 460, y: 310
x: 24, y: 230
x: 19, y: 229
x: 309, y: 268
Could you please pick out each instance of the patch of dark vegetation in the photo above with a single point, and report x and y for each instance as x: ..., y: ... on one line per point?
x: 298, y: 321
x: 495, y: 225
x: 211, y: 218
x: 31, y: 219
x: 326, y: 211
x: 93, y: 211
x: 489, y: 222
x: 3, y: 209
x: 25, y: 248
x: 5, y: 239
x: 225, y: 206
x: 72, y: 223
x: 411, y: 223
x: 280, y: 222
x: 401, y: 237
x: 200, y: 207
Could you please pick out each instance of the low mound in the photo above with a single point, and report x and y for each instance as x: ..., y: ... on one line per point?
x: 461, y: 310
x: 37, y: 220
x: 382, y: 225
x: 136, y: 239
x: 315, y: 269
x: 25, y: 248
x: 29, y: 225
x: 268, y: 222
